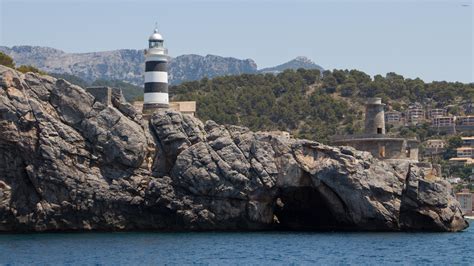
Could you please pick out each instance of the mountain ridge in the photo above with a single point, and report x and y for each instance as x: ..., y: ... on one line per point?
x: 127, y: 64
x: 298, y: 62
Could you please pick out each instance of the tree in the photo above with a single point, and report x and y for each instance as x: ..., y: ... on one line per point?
x: 6, y: 60
x: 453, y: 143
x: 329, y: 82
x: 27, y: 68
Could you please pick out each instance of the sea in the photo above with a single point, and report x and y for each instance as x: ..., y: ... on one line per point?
x: 238, y: 248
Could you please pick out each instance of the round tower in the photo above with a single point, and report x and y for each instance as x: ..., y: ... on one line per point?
x: 374, y: 116
x: 156, y: 74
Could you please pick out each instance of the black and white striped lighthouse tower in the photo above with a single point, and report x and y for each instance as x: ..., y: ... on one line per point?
x: 156, y: 75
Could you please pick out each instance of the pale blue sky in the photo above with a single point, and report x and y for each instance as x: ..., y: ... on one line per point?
x: 432, y: 40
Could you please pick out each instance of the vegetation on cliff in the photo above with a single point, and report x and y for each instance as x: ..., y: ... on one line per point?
x: 8, y: 62
x: 311, y: 104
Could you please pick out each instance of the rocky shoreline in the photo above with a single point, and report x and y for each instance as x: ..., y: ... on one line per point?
x: 69, y: 162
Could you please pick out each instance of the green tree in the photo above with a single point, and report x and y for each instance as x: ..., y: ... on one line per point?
x: 6, y: 60
x: 452, y: 143
x: 28, y: 68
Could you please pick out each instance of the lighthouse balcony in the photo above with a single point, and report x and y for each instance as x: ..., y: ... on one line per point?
x: 156, y: 51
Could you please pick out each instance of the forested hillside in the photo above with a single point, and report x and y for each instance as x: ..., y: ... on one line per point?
x: 308, y: 103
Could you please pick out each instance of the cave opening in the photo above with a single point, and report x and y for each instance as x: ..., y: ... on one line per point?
x: 305, y: 209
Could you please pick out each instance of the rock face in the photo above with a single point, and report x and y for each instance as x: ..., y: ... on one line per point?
x: 195, y: 67
x: 68, y: 162
x: 125, y: 64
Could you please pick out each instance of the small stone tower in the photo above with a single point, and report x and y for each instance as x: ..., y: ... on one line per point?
x: 374, y: 117
x: 156, y: 75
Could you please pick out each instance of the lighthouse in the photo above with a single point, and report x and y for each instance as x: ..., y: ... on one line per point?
x: 156, y: 75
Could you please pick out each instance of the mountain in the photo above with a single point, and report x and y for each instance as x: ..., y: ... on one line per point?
x: 194, y: 67
x: 120, y: 64
x: 127, y: 64
x: 298, y: 62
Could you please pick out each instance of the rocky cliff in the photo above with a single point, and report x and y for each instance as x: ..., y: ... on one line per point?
x: 69, y: 162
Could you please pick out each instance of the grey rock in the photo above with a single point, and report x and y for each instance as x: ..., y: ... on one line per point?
x: 69, y: 162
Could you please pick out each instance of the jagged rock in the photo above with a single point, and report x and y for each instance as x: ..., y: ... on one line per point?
x: 68, y: 162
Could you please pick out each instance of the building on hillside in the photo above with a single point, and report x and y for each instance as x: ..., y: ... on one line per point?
x: 465, y: 199
x: 465, y: 152
x: 444, y: 124
x: 465, y: 120
x: 437, y: 112
x: 415, y: 113
x: 434, y: 148
x: 375, y: 140
x: 443, y: 121
x: 461, y: 161
x: 185, y: 107
x: 435, y: 144
x: 468, y: 141
x: 465, y: 124
x: 393, y: 117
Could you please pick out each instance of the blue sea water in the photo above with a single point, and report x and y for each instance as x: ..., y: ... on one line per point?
x: 269, y: 248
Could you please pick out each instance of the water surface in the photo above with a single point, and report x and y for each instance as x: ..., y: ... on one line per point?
x: 238, y: 248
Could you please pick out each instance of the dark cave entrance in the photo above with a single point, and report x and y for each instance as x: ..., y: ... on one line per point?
x: 305, y: 208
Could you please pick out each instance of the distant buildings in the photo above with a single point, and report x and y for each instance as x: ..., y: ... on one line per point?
x: 434, y: 148
x: 465, y: 199
x: 393, y: 117
x: 415, y: 113
x: 437, y: 112
x: 443, y: 121
x: 467, y: 141
x: 465, y: 120
x: 439, y: 118
x: 452, y: 124
x: 465, y: 153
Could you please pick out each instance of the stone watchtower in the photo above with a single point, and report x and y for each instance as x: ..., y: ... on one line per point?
x: 374, y: 117
x: 156, y: 75
x: 375, y: 140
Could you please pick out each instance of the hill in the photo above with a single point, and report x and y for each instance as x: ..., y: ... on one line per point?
x: 310, y: 104
x: 298, y: 62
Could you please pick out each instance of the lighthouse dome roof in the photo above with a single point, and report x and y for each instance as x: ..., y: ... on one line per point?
x: 156, y: 36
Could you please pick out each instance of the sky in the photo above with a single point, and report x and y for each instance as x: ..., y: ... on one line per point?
x: 432, y: 40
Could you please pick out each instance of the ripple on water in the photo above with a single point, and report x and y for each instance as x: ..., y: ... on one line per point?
x: 276, y: 248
